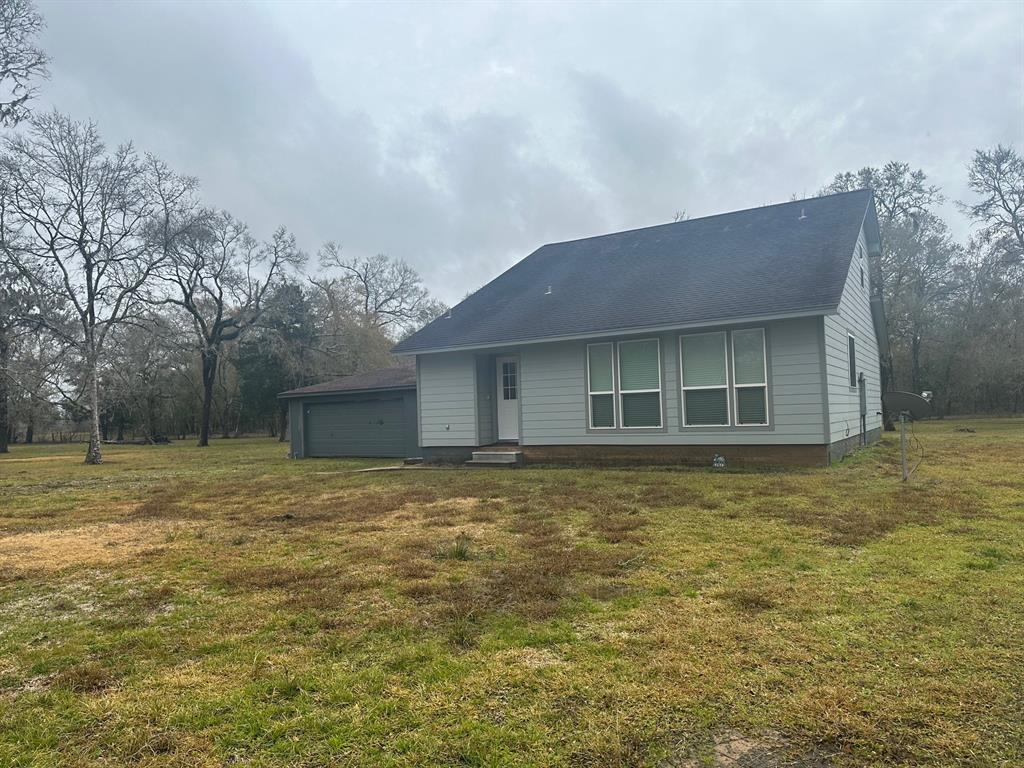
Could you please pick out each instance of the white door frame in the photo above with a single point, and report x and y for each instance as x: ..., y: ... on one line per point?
x: 507, y: 407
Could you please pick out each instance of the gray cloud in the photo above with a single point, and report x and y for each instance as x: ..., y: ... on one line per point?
x: 462, y: 137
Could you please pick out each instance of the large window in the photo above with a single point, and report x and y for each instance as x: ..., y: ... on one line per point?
x: 750, y: 382
x: 640, y: 383
x: 851, y: 350
x: 601, y: 386
x: 705, y: 380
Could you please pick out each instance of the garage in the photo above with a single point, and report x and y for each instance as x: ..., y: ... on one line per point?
x: 372, y: 414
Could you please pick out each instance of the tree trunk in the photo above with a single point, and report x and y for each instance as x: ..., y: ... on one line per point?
x: 915, y: 363
x: 94, y: 455
x: 150, y: 419
x: 282, y: 424
x: 5, y: 426
x: 209, y: 374
x: 30, y: 429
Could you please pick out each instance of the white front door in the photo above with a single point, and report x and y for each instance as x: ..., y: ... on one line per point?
x: 508, y: 398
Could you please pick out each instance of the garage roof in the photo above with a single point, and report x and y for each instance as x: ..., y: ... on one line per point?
x: 382, y: 378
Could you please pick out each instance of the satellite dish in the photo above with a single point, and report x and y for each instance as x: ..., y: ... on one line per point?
x: 915, y: 406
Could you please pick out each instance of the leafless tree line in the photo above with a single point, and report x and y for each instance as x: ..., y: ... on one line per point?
x: 112, y: 259
x: 127, y: 303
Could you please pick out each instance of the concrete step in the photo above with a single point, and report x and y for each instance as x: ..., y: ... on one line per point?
x: 496, y: 459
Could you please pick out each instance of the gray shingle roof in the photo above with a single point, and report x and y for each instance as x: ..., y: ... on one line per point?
x: 382, y: 378
x: 789, y: 258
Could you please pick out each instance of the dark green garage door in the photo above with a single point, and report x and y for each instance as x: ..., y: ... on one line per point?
x: 360, y: 428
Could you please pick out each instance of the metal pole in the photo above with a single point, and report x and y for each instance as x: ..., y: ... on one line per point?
x: 903, y: 444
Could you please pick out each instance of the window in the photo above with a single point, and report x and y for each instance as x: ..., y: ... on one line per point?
x: 509, y: 383
x: 851, y: 348
x: 601, y: 386
x: 750, y: 382
x: 640, y: 383
x: 705, y: 380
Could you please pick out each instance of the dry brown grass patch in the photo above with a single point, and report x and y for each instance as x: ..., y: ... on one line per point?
x: 87, y: 677
x: 316, y: 587
x: 617, y: 528
x: 155, y: 597
x: 92, y: 545
x: 749, y: 600
x: 164, y: 504
x: 846, y: 524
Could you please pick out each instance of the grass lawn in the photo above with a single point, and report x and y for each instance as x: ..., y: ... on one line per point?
x: 227, y: 606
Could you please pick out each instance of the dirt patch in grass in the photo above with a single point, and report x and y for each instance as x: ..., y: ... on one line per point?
x: 732, y: 749
x: 92, y: 545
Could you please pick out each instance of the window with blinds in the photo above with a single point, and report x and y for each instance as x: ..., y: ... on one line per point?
x: 601, y: 385
x: 750, y: 382
x: 640, y: 383
x: 705, y: 379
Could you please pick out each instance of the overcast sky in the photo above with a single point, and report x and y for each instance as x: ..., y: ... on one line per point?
x: 460, y: 137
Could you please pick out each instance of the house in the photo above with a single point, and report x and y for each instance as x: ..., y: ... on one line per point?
x: 371, y: 414
x: 751, y: 335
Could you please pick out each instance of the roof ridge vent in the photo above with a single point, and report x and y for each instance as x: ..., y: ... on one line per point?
x: 803, y: 215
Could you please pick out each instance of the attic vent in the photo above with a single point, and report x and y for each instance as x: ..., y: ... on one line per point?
x: 548, y: 291
x: 802, y: 214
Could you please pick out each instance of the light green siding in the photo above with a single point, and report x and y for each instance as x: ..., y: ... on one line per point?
x: 854, y: 316
x: 456, y: 402
x: 447, y: 399
x: 554, y: 394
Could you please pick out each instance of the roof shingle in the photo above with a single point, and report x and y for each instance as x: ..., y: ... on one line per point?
x: 780, y: 259
x: 382, y: 378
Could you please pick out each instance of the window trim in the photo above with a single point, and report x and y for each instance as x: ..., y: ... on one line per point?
x: 763, y: 385
x: 621, y: 391
x: 683, y: 388
x: 591, y: 392
x: 851, y: 359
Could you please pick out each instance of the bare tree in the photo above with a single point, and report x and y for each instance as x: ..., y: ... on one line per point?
x: 900, y: 193
x: 23, y: 333
x: 78, y: 217
x: 15, y: 317
x: 221, y: 277
x: 138, y: 367
x: 997, y: 177
x: 389, y: 293
x: 21, y: 62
